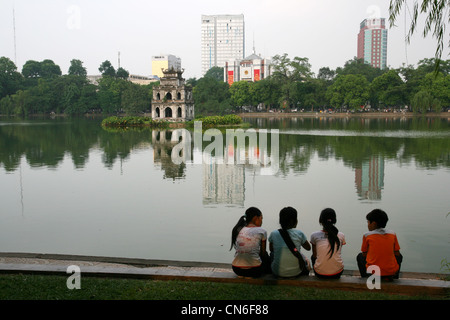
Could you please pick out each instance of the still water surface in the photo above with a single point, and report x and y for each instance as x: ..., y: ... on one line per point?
x: 67, y: 186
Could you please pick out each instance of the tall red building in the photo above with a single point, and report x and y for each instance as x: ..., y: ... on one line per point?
x: 372, y: 42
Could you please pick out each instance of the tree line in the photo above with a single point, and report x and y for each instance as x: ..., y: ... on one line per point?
x: 355, y: 86
x: 41, y: 88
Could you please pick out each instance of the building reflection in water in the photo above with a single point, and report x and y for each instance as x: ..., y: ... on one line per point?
x: 224, y: 176
x: 369, y: 179
x: 163, y: 143
x: 223, y: 183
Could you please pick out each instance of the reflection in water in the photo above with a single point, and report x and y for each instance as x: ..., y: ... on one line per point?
x: 107, y: 186
x: 369, y: 179
x: 223, y: 184
x: 163, y: 145
x: 224, y: 160
x: 355, y: 141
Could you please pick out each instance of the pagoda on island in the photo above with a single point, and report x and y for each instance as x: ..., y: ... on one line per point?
x: 172, y: 99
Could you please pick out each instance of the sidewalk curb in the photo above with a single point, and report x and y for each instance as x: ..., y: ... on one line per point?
x: 409, y: 283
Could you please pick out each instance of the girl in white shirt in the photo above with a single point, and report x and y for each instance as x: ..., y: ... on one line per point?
x: 327, y: 245
x: 249, y: 240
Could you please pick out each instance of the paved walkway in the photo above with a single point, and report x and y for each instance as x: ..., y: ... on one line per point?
x: 409, y: 283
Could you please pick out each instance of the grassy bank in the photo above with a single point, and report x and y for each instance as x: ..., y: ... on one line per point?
x: 53, y: 287
x: 343, y: 115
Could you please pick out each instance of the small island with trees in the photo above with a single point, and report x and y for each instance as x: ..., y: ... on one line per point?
x: 145, y: 121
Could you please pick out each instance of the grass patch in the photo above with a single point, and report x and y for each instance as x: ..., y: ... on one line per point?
x: 53, y: 287
x: 215, y: 121
x: 133, y: 121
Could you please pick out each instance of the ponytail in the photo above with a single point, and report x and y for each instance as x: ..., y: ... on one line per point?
x: 237, y: 228
x: 243, y: 221
x: 327, y: 220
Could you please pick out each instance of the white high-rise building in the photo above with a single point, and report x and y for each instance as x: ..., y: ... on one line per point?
x: 223, y: 39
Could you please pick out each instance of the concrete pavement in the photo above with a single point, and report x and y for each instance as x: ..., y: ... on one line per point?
x: 409, y: 283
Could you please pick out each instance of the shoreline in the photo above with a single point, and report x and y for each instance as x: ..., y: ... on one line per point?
x: 7, y: 258
x: 343, y: 115
x: 288, y: 115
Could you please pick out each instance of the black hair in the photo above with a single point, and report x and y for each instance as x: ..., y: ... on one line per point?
x: 250, y: 213
x: 288, y: 218
x: 379, y: 216
x: 327, y: 219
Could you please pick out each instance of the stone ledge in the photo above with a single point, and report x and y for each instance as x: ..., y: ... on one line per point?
x: 409, y: 283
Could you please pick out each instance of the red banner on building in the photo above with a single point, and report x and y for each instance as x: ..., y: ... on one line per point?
x: 230, y: 77
x: 256, y: 75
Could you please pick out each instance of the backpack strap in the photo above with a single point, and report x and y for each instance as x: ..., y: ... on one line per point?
x: 292, y: 247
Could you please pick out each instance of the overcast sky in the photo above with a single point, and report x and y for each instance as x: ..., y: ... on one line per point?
x: 324, y: 31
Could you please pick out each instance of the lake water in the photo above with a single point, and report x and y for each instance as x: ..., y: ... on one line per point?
x: 67, y: 186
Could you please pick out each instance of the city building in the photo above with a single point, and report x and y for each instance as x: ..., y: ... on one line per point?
x: 172, y: 99
x: 142, y: 80
x: 222, y: 39
x: 372, y: 42
x: 252, y: 68
x: 163, y: 62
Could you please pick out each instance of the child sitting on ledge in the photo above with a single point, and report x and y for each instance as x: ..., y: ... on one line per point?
x: 379, y: 247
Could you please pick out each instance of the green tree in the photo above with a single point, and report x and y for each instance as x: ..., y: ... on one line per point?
x: 31, y: 69
x: 107, y: 102
x: 287, y: 72
x: 21, y: 100
x: 88, y: 101
x: 325, y: 73
x: 266, y: 92
x: 351, y: 90
x: 240, y: 94
x: 10, y: 79
x: 135, y: 99
x: 76, y: 68
x: 122, y: 73
x: 387, y: 90
x: 110, y: 93
x: 422, y: 101
x: 42, y: 97
x: 312, y: 93
x: 7, y: 106
x: 359, y: 66
x: 211, y: 96
x: 438, y: 86
x: 49, y: 69
x: 70, y: 99
x: 107, y: 69
x: 427, y: 65
x: 215, y: 73
x: 414, y: 77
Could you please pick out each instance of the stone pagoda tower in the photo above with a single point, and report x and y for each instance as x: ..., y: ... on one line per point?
x: 172, y: 99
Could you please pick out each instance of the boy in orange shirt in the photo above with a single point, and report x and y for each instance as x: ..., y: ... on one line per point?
x: 379, y: 247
